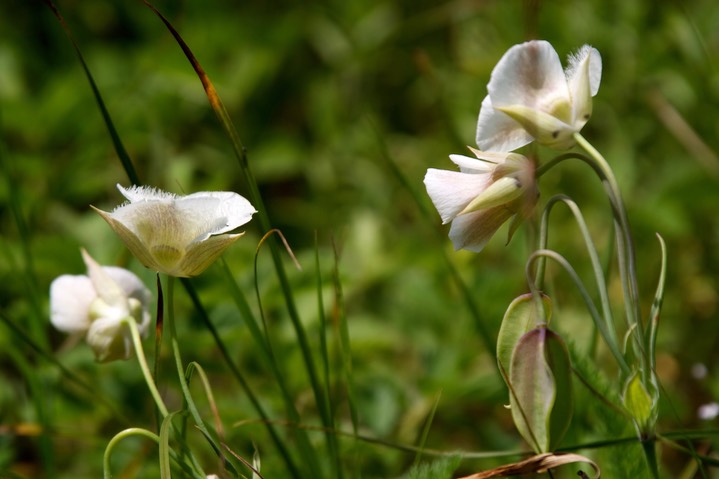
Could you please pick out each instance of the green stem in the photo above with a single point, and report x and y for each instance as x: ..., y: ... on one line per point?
x: 135, y: 431
x: 234, y: 369
x: 142, y: 360
x: 182, y: 376
x: 627, y: 255
x: 613, y: 347
x: 650, y: 453
x: 591, y: 250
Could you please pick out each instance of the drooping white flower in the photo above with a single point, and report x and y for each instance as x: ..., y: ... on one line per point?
x: 178, y: 235
x: 531, y: 98
x: 97, y: 303
x: 480, y: 197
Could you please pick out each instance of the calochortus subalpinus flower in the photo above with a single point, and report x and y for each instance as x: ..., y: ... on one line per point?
x: 531, y: 98
x: 97, y: 304
x: 484, y: 194
x: 178, y: 235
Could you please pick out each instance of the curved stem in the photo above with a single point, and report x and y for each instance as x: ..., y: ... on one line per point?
x: 625, y: 246
x: 628, y: 254
x: 182, y: 376
x: 591, y: 250
x: 610, y: 340
x: 135, y: 431
x: 142, y: 360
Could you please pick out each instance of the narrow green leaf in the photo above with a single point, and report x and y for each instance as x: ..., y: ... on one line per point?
x: 265, y: 224
x: 117, y: 143
x: 657, y: 305
x: 164, y: 441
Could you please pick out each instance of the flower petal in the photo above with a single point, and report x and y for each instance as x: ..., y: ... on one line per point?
x: 222, y: 211
x: 133, y: 287
x: 451, y: 191
x: 109, y: 339
x: 497, y: 131
x: 145, y: 193
x: 473, y: 165
x: 594, y: 72
x: 201, y: 255
x: 136, y: 246
x: 474, y: 230
x: 583, y: 77
x: 70, y: 298
x: 105, y: 287
x: 529, y: 74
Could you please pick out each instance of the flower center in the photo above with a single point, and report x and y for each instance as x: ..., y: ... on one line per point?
x: 166, y: 256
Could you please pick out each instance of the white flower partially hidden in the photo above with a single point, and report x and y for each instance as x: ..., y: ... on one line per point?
x: 178, y: 235
x: 531, y: 98
x: 97, y: 303
x: 480, y: 197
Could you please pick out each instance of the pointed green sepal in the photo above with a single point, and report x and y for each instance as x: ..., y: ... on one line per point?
x: 547, y: 129
x: 500, y: 192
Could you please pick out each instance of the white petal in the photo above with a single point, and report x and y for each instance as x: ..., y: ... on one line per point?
x: 473, y: 165
x: 595, y: 67
x: 130, y: 284
x: 451, y: 191
x: 133, y: 287
x: 110, y: 339
x: 222, y: 211
x: 105, y: 287
x: 495, y: 157
x: 145, y: 193
x: 529, y: 74
x: 583, y: 76
x: 473, y: 231
x: 497, y: 131
x: 70, y: 298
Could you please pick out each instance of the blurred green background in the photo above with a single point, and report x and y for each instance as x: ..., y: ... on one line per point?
x: 343, y: 105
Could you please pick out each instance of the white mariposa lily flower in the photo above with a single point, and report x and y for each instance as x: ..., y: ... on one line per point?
x: 96, y: 304
x: 178, y: 235
x: 480, y: 197
x: 531, y: 98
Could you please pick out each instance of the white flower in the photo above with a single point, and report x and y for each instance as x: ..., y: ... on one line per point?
x: 531, y: 98
x: 97, y: 303
x: 480, y: 197
x: 178, y: 235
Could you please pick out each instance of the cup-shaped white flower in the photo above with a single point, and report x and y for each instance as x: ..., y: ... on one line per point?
x: 178, y: 235
x: 531, y: 98
x: 97, y: 303
x: 480, y: 197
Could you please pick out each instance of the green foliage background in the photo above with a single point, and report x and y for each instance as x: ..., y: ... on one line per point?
x: 343, y: 105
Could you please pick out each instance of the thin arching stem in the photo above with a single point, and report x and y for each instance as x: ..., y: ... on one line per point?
x: 591, y: 307
x: 591, y: 250
x: 142, y: 360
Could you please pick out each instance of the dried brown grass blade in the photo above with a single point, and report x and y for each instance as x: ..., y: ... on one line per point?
x: 536, y: 464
